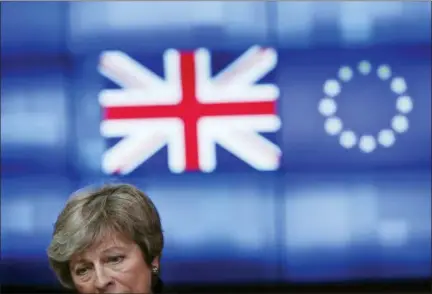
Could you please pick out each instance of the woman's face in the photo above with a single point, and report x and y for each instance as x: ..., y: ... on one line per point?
x: 114, y: 265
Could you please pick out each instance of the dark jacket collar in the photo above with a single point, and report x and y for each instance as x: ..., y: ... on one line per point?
x: 159, y: 286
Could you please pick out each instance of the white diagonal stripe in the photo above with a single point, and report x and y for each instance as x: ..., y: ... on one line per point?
x: 269, y: 152
x: 253, y: 69
x: 247, y: 152
x: 126, y: 72
x: 238, y: 136
x: 131, y: 152
x: 237, y: 67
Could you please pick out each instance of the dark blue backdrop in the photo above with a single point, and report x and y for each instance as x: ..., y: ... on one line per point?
x: 328, y: 214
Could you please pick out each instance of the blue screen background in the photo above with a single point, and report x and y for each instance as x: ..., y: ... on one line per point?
x: 328, y: 214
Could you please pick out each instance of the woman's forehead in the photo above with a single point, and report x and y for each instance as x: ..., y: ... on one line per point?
x: 111, y: 240
x: 104, y: 243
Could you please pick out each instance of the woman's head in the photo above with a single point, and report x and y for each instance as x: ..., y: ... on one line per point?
x: 107, y: 240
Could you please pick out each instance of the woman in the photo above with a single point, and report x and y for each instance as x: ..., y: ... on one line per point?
x: 108, y: 240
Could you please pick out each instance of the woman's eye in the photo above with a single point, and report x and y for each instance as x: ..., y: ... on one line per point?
x: 116, y: 259
x: 81, y: 271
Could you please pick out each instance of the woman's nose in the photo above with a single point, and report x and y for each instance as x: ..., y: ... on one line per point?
x: 103, y: 281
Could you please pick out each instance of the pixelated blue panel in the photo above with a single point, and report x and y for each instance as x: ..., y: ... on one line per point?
x: 152, y: 26
x: 357, y: 226
x: 33, y: 27
x: 34, y: 119
x: 230, y: 221
x: 305, y: 24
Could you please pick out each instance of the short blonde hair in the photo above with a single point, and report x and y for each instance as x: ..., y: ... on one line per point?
x: 90, y: 213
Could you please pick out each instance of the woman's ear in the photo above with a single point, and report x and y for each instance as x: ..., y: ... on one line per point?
x: 155, y: 262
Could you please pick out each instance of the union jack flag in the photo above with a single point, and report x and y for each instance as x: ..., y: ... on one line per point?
x: 189, y: 111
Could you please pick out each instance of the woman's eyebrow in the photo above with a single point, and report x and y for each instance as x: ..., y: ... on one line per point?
x: 79, y: 262
x: 114, y: 248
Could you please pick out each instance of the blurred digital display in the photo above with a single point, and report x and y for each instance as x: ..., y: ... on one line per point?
x: 350, y: 200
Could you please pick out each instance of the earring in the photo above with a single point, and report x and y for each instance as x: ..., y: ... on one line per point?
x: 155, y: 270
